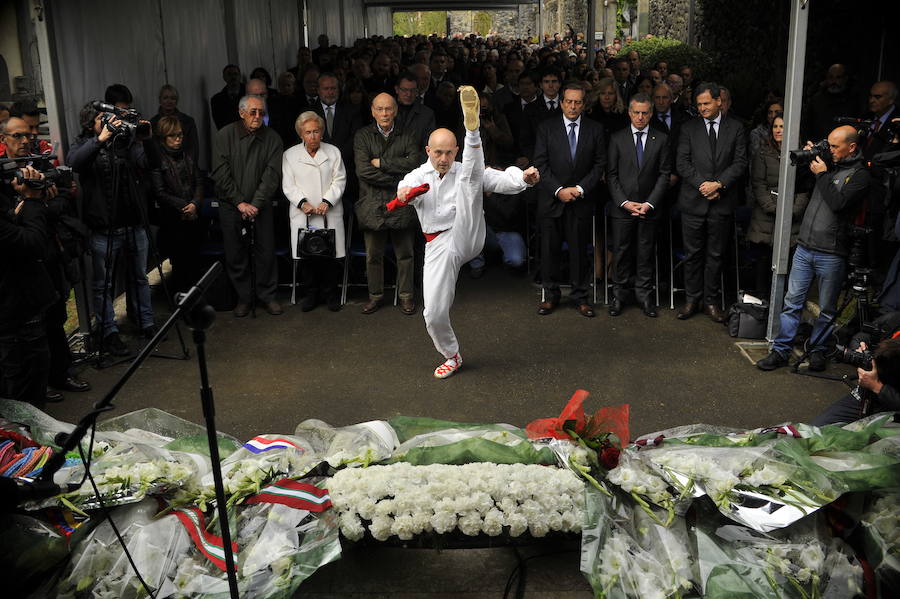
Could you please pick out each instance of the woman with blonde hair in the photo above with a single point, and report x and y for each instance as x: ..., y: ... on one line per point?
x: 313, y: 180
x: 608, y: 109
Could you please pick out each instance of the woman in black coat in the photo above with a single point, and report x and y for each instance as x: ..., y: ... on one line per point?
x: 178, y: 189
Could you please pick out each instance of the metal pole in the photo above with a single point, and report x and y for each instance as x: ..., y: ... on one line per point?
x: 787, y: 174
x: 591, y: 28
x: 50, y: 78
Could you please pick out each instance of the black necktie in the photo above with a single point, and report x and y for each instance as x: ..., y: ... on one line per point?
x: 712, y: 138
x: 639, y: 147
x: 552, y: 105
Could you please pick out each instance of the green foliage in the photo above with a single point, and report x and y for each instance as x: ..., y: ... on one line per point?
x: 620, y: 20
x: 483, y: 22
x: 420, y: 22
x: 677, y: 54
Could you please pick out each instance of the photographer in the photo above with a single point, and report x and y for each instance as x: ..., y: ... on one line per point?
x: 26, y: 291
x: 879, y: 386
x: 822, y: 245
x: 64, y: 249
x: 110, y: 157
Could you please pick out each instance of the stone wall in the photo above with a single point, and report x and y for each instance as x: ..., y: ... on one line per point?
x: 508, y: 23
x: 671, y: 18
x: 557, y: 13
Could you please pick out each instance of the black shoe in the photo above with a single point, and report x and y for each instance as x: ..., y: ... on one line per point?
x: 149, y: 332
x: 334, y: 302
x: 648, y: 309
x: 817, y: 361
x: 476, y: 273
x: 53, y: 396
x: 112, y: 344
x: 772, y: 362
x: 615, y: 307
x: 309, y: 302
x: 73, y: 384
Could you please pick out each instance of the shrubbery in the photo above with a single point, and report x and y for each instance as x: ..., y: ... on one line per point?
x: 677, y: 54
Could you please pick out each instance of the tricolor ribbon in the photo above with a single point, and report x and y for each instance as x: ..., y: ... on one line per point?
x: 292, y: 493
x: 789, y: 430
x: 261, y: 444
x: 209, y: 544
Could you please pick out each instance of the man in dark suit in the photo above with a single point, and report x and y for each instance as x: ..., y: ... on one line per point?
x: 570, y: 153
x: 516, y: 114
x: 224, y: 105
x: 413, y: 116
x: 546, y: 105
x: 622, y: 75
x: 341, y: 120
x: 638, y: 175
x: 711, y: 159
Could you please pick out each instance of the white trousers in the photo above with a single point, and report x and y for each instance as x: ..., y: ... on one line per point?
x: 446, y: 253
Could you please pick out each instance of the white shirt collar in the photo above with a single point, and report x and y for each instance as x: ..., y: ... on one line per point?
x: 326, y: 106
x: 554, y: 100
x: 634, y: 130
x: 717, y: 121
x: 385, y: 133
x: 576, y: 121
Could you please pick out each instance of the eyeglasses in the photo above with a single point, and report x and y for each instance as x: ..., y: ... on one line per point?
x: 255, y: 112
x: 175, y: 135
x: 23, y: 135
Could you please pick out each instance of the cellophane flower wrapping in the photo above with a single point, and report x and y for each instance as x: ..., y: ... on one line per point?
x: 260, y: 461
x: 100, y: 569
x: 626, y: 553
x: 349, y: 446
x: 880, y: 525
x: 402, y: 500
x: 428, y: 441
x: 800, y: 562
x: 129, y: 472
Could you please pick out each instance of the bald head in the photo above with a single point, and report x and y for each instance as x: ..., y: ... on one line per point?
x: 16, y: 135
x: 384, y: 110
x: 442, y: 150
x: 257, y: 87
x: 844, y: 142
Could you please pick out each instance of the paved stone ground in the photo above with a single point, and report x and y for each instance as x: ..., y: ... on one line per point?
x: 270, y: 373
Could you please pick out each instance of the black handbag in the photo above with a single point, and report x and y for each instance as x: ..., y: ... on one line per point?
x: 747, y: 320
x: 316, y: 243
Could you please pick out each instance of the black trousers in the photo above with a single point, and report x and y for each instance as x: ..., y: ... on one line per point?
x: 634, y: 245
x: 181, y: 240
x: 846, y: 409
x: 576, y: 232
x: 237, y: 252
x: 58, y: 343
x: 705, y: 245
x: 25, y: 363
x: 320, y: 276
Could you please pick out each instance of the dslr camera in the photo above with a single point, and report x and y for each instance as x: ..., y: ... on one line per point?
x: 859, y: 358
x: 820, y: 149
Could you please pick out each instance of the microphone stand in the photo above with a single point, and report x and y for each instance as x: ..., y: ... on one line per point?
x: 199, y: 316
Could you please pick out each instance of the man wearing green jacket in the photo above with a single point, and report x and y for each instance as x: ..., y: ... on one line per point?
x: 246, y: 166
x: 383, y: 155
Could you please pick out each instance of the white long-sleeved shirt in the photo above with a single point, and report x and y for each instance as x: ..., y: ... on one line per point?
x: 437, y: 207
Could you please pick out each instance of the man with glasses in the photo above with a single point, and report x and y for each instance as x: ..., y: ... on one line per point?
x: 246, y: 166
x: 413, y: 117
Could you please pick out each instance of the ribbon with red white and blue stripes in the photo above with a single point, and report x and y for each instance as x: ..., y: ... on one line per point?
x: 295, y: 494
x: 209, y: 544
x: 261, y: 444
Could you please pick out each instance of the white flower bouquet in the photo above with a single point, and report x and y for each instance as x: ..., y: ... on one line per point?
x: 402, y: 500
x: 881, y: 538
x: 350, y: 446
x: 736, y: 561
x: 627, y: 553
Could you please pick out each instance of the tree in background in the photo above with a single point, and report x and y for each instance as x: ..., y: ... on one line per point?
x: 420, y: 22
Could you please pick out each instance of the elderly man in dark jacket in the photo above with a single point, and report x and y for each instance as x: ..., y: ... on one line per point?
x: 383, y: 155
x: 822, y: 246
x: 246, y: 166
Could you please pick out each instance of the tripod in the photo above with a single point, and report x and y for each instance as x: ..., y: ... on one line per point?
x: 119, y: 166
x: 859, y: 292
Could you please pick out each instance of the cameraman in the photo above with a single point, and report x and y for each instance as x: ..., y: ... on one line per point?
x: 822, y: 245
x: 25, y: 292
x: 881, y: 384
x: 19, y: 137
x: 115, y: 210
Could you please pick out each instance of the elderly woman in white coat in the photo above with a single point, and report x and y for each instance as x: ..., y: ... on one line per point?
x: 313, y: 178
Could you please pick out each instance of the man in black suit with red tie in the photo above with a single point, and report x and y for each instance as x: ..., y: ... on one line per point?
x: 638, y: 176
x: 570, y: 153
x: 711, y: 159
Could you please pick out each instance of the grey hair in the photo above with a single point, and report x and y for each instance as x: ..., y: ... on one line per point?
x: 309, y: 115
x: 242, y: 105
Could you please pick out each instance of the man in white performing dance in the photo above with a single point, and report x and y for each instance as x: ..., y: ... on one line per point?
x: 452, y: 217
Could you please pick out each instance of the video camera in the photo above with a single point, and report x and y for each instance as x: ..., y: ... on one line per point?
x: 864, y: 126
x: 11, y: 171
x: 129, y: 126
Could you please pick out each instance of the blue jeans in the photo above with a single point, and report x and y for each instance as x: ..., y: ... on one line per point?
x: 828, y: 269
x: 511, y: 245
x: 133, y: 240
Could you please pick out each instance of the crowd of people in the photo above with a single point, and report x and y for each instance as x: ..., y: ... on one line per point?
x: 342, y: 131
